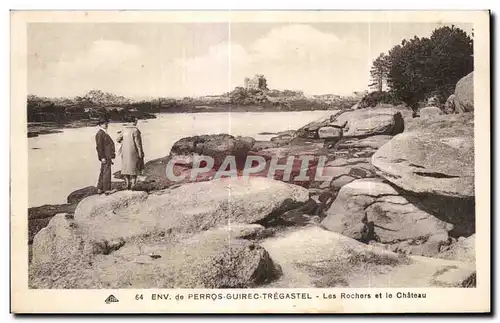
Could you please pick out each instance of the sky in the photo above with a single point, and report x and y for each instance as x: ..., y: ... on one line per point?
x: 145, y: 60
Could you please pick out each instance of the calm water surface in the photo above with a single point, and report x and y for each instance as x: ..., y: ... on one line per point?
x: 63, y: 162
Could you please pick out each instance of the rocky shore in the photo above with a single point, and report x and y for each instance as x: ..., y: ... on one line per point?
x: 397, y: 210
x: 36, y: 129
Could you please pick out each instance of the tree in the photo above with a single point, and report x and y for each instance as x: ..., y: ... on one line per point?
x: 410, y: 76
x: 424, y: 67
x: 379, y: 72
x: 451, y: 59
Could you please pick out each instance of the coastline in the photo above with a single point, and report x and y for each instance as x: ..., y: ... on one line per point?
x: 352, y: 184
x: 35, y: 129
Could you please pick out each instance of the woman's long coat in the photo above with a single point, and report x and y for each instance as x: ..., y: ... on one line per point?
x: 131, y: 150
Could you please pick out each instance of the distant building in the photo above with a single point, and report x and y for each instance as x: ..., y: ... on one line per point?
x: 258, y: 82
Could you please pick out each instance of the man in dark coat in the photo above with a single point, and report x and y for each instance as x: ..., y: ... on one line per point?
x: 105, y: 153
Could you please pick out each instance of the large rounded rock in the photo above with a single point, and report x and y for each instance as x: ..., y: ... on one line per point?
x: 464, y: 94
x: 216, y: 146
x: 191, y: 207
x: 56, y: 243
x: 384, y: 119
x: 434, y: 160
x: 370, y: 209
x: 314, y: 257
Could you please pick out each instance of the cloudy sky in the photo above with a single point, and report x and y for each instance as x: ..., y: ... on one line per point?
x: 186, y: 59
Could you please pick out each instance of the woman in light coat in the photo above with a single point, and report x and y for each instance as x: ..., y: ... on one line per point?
x: 131, y: 152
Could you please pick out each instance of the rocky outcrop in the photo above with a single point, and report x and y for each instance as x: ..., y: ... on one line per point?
x: 232, y: 256
x: 381, y: 120
x: 218, y: 147
x: 286, y: 145
x: 426, y: 163
x: 215, y: 146
x: 438, y: 159
x: 464, y: 94
x: 191, y: 207
x: 226, y: 257
x: 375, y: 122
x: 258, y: 232
x: 433, y: 166
x: 463, y: 99
x: 314, y: 257
x: 370, y: 209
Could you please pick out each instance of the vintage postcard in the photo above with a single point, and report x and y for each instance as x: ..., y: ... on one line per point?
x: 250, y: 162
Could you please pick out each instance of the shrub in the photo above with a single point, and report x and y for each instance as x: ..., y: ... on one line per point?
x: 374, y: 98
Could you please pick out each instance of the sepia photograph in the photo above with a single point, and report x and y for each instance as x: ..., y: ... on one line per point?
x: 257, y: 160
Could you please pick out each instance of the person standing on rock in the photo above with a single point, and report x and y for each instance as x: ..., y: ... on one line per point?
x: 131, y: 152
x: 105, y: 153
